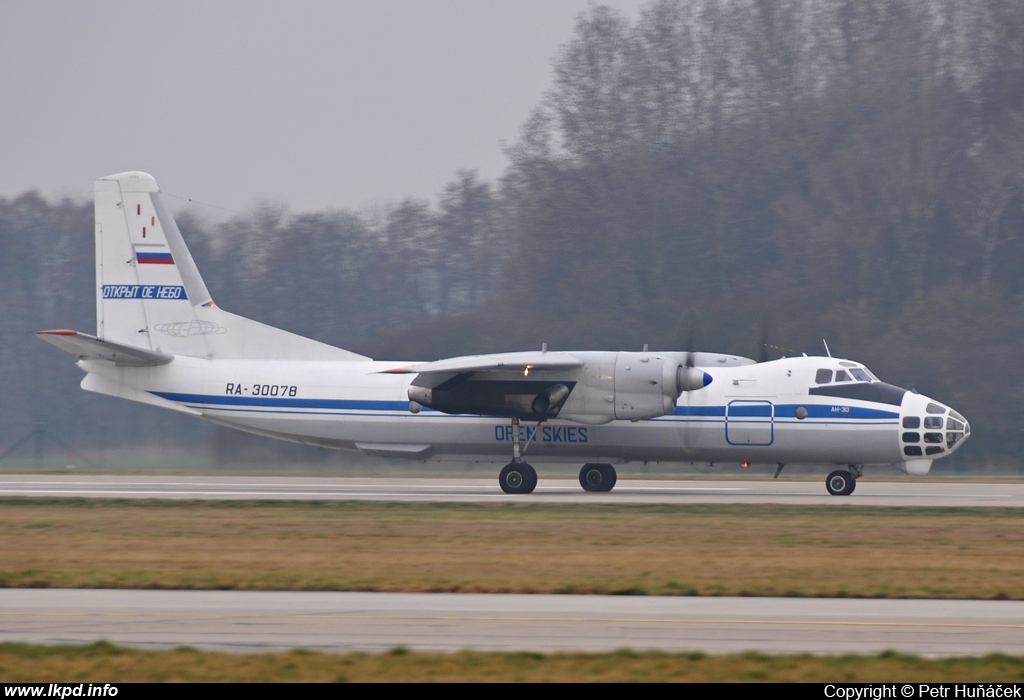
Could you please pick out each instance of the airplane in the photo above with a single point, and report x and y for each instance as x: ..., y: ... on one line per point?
x: 162, y: 341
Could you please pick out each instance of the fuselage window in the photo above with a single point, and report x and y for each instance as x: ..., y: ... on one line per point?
x: 842, y: 376
x: 824, y: 376
x: 912, y: 451
x: 933, y: 422
x: 911, y: 437
x: 935, y: 408
x: 934, y: 438
x: 911, y: 422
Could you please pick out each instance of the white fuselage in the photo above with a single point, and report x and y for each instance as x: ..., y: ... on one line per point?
x: 757, y: 413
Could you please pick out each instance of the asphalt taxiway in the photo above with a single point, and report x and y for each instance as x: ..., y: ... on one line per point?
x: 251, y: 621
x: 883, y: 492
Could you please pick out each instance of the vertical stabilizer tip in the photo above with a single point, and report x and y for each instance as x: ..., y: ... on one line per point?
x: 132, y: 181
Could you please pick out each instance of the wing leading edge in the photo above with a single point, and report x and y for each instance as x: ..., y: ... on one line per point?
x: 505, y: 362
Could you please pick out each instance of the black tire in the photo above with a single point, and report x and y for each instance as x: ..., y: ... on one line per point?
x: 531, y: 475
x: 840, y: 483
x: 517, y: 478
x: 598, y: 478
x: 609, y: 471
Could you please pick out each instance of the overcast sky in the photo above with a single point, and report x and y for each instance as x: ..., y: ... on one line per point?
x: 314, y: 105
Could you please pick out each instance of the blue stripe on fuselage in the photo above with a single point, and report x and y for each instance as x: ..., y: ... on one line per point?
x: 699, y: 411
x: 833, y: 411
x: 782, y: 411
x: 789, y: 411
x: 269, y: 402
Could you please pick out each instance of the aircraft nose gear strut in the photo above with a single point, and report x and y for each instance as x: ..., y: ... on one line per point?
x: 517, y: 476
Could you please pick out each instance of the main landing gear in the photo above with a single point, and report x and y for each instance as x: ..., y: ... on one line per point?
x: 842, y: 482
x: 517, y: 476
x: 597, y: 477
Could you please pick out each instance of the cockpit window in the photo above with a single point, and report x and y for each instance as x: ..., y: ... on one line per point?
x: 860, y: 375
x: 935, y: 408
x: 824, y: 376
x: 842, y: 376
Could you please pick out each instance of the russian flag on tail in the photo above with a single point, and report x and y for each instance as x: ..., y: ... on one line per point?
x: 155, y: 254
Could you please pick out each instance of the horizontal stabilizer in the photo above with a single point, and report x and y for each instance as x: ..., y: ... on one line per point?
x: 90, y: 347
x: 514, y: 361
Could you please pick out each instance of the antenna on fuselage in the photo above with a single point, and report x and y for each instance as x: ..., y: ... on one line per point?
x: 827, y: 352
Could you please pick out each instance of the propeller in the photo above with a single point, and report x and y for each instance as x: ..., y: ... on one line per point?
x: 691, y: 357
x: 686, y: 434
x: 763, y: 355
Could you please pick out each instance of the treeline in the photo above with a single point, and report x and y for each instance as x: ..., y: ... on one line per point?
x: 712, y: 174
x: 340, y: 277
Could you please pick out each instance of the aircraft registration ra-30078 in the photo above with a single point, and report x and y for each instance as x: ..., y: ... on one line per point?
x: 160, y: 340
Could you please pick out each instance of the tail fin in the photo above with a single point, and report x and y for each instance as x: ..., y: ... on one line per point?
x: 150, y: 295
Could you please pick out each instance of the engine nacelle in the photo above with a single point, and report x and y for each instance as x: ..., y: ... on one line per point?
x: 530, y: 399
x: 646, y: 385
x: 550, y: 400
x: 603, y: 387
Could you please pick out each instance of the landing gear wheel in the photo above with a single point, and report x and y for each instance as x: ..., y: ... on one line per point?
x: 517, y: 478
x: 598, y: 477
x: 840, y: 483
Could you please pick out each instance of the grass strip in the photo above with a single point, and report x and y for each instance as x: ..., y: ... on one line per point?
x: 768, y: 550
x: 106, y: 663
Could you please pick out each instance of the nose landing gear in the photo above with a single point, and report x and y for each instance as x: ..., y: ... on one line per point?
x: 842, y: 482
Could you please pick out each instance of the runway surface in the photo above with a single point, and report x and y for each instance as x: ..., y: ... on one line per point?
x: 869, y: 493
x: 261, y: 620
x: 249, y: 621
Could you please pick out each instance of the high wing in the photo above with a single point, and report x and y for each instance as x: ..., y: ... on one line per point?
x: 495, y: 385
x: 89, y: 347
x: 525, y: 362
x: 543, y: 360
x: 591, y: 387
